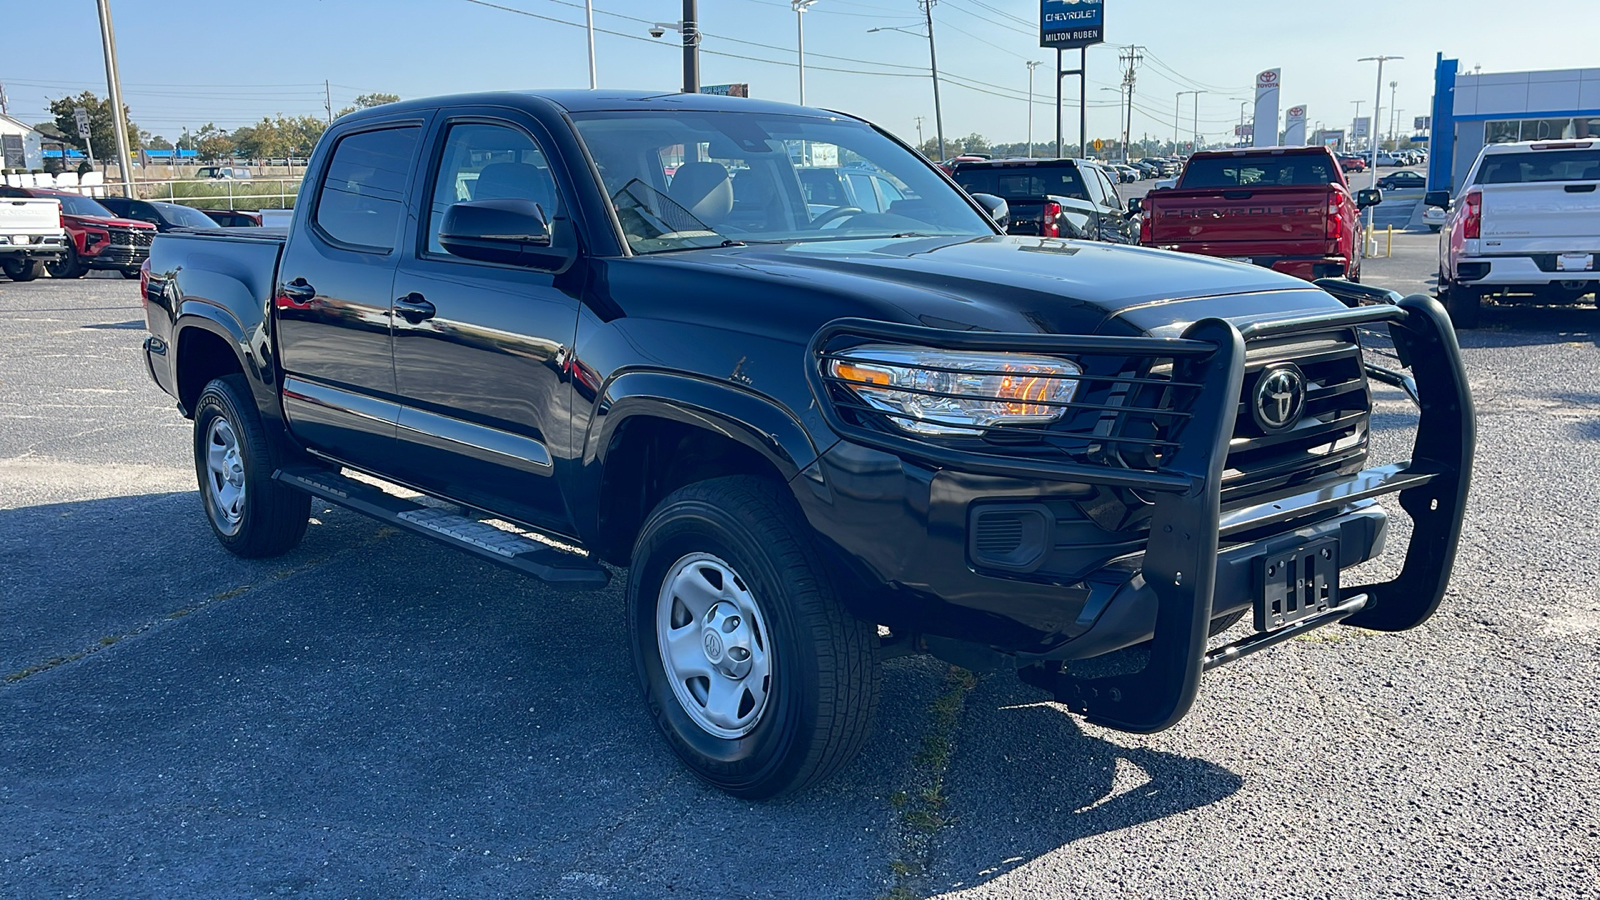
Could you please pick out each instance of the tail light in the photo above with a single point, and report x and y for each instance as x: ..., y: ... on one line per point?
x: 1147, y: 228
x: 144, y: 283
x: 1048, y: 224
x: 1472, y: 218
x: 1333, y: 225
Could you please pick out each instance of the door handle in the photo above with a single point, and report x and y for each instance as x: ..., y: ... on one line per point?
x: 414, y: 308
x: 298, y: 292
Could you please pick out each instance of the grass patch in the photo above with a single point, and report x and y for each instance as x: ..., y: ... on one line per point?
x: 922, y: 806
x: 264, y: 193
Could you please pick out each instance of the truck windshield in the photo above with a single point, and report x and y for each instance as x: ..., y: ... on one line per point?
x: 682, y: 181
x: 1540, y: 165
x: 1270, y: 171
x: 76, y: 205
x: 1025, y: 182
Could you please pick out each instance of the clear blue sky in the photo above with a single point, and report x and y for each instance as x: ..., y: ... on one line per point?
x: 186, y: 63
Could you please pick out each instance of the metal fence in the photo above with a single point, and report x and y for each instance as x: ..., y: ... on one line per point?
x: 201, y: 193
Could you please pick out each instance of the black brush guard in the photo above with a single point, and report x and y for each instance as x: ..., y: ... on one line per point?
x: 1181, y: 556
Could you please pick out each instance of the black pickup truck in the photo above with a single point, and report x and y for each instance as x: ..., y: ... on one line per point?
x: 538, y: 328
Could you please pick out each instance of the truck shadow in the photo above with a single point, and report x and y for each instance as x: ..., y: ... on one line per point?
x: 1028, y: 780
x: 1528, y: 326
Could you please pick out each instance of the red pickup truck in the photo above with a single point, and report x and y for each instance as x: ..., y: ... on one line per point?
x: 1284, y: 208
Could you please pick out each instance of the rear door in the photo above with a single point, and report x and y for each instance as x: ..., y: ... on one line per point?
x: 334, y: 293
x: 481, y: 369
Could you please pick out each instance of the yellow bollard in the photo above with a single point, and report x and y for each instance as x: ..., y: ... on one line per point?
x: 1389, y: 252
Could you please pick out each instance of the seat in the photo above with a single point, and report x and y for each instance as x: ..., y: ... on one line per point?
x: 704, y: 190
x: 517, y: 181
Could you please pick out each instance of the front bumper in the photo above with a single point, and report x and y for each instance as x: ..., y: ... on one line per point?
x: 896, y: 512
x: 117, y: 256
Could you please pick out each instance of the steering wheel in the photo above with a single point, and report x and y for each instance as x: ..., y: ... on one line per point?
x: 838, y: 212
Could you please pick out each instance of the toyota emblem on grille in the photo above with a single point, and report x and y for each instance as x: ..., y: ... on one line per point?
x: 1280, y: 397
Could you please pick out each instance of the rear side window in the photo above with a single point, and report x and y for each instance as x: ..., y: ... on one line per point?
x: 1540, y: 165
x: 362, y: 198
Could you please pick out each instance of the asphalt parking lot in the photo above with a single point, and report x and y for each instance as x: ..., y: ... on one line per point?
x: 374, y: 715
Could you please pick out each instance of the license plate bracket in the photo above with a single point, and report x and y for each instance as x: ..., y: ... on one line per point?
x: 1297, y: 584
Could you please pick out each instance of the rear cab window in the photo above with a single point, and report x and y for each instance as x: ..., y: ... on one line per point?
x: 1023, y: 182
x: 1535, y: 166
x: 361, y: 200
x: 1277, y: 171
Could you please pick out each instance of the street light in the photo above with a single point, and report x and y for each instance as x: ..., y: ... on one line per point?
x: 1177, y: 116
x: 1197, y: 119
x: 1031, y: 67
x: 800, y: 6
x: 689, y: 27
x: 933, y: 65
x: 1377, y: 116
x: 1122, y: 92
x: 588, y: 15
x: 1355, y: 122
x: 1242, y: 104
x: 1394, y: 124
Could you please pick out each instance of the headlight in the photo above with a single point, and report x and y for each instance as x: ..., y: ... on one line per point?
x: 952, y: 392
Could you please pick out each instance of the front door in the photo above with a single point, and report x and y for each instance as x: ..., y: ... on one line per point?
x: 334, y: 292
x: 480, y: 348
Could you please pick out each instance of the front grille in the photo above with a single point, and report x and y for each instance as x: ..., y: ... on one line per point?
x: 139, y: 238
x: 1332, y: 432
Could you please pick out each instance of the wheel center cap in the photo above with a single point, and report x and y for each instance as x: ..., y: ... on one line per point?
x: 714, y: 649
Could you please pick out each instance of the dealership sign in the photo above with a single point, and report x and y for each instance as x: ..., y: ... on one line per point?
x: 726, y: 90
x: 1294, y: 127
x: 1266, y: 133
x: 1069, y: 24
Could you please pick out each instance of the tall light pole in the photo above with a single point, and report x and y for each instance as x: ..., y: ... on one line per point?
x: 800, y: 7
x: 691, y: 47
x: 1197, y: 119
x: 114, y: 84
x: 1377, y: 116
x: 1122, y: 92
x: 1393, y: 122
x: 1354, y: 122
x: 933, y: 65
x: 1242, y: 104
x: 588, y: 15
x: 1031, y: 67
x: 1177, y: 117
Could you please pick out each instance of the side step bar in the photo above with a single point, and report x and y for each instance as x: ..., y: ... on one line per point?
x: 526, y: 555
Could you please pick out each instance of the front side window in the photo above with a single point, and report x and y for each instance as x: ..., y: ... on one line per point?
x: 490, y: 162
x: 680, y: 181
x: 362, y: 198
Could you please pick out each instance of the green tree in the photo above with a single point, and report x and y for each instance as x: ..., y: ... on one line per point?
x: 211, y: 143
x: 367, y: 101
x: 102, y: 125
x: 153, y: 141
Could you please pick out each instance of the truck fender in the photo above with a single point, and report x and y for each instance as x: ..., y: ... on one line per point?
x: 743, y: 416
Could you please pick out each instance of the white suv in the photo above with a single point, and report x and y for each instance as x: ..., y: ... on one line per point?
x: 1526, y: 226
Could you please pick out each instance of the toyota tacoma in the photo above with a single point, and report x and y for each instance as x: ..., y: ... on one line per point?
x: 544, y: 329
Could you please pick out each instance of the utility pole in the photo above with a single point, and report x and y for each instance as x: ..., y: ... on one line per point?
x: 119, y: 117
x: 919, y: 131
x: 933, y: 63
x: 1031, y: 67
x: 1131, y: 57
x: 691, y: 47
x: 1197, y: 119
x: 327, y: 99
x: 588, y: 18
x: 800, y: 7
x: 5, y: 110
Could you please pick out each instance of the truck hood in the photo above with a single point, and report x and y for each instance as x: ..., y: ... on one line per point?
x: 103, y: 222
x: 1010, y: 283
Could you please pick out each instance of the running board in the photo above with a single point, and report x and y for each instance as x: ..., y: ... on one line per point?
x: 508, y: 548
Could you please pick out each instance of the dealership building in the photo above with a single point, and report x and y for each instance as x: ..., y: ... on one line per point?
x: 1472, y: 110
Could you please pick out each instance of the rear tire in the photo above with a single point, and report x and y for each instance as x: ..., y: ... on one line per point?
x: 130, y: 273
x: 23, y: 269
x: 1464, y: 305
x: 251, y: 514
x: 67, y: 266
x: 753, y: 670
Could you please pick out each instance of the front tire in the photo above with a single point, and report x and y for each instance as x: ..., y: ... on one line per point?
x: 67, y: 266
x: 251, y: 514
x: 129, y: 273
x: 23, y: 269
x: 753, y: 670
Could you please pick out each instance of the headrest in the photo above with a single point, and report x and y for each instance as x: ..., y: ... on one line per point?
x: 704, y: 189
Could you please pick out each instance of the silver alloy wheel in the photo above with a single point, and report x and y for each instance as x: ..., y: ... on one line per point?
x: 714, y: 645
x: 225, y: 476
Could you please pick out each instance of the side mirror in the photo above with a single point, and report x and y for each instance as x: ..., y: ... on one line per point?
x: 514, y: 232
x: 997, y: 208
x: 1368, y: 197
x: 1440, y: 199
x: 1135, y: 206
